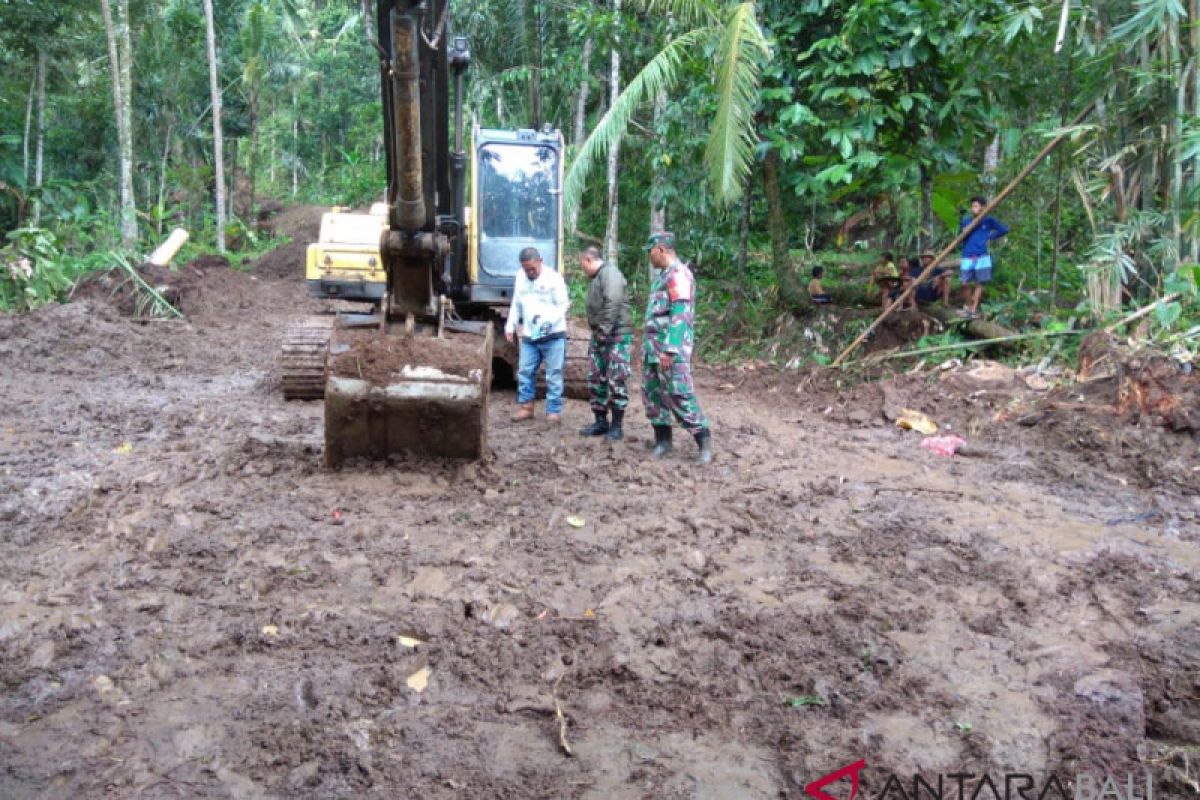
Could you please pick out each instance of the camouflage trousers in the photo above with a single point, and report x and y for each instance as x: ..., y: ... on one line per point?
x: 671, y: 395
x: 608, y: 379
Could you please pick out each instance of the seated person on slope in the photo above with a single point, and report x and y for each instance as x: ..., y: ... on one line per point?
x: 886, y: 277
x: 816, y: 292
x: 936, y: 285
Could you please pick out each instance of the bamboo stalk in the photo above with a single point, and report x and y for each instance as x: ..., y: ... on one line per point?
x: 963, y: 234
x: 1141, y: 312
x: 941, y: 348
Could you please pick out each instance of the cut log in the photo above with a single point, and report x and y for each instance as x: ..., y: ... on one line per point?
x: 975, y: 328
x: 167, y: 250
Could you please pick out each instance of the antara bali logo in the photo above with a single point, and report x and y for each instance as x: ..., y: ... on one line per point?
x: 985, y: 786
x: 814, y: 789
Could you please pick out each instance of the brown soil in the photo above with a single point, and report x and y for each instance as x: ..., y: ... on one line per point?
x: 204, y: 285
x: 190, y: 606
x: 303, y: 225
x: 378, y: 359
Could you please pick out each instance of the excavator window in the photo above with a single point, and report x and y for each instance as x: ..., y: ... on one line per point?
x: 518, y: 198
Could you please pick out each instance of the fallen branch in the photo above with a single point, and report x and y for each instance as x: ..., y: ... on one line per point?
x: 562, y: 718
x: 162, y: 305
x: 902, y: 298
x: 1141, y: 312
x: 926, y: 489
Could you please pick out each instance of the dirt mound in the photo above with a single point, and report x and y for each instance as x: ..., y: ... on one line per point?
x: 285, y: 261
x: 1141, y: 383
x: 303, y: 225
x: 378, y: 359
x: 1068, y: 430
x: 204, y: 286
x: 86, y: 333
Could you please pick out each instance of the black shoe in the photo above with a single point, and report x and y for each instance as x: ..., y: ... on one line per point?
x: 597, y: 428
x: 615, y: 431
x: 704, y: 442
x: 662, y: 440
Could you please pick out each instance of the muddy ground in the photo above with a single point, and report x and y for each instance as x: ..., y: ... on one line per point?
x: 191, y: 606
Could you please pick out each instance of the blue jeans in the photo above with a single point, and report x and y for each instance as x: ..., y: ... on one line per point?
x: 552, y: 352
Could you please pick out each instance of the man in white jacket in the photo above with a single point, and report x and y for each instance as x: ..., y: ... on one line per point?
x: 539, y: 308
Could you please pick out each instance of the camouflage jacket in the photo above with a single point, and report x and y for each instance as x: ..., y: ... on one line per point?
x: 670, y: 318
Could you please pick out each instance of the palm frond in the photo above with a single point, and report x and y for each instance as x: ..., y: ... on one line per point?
x: 690, y: 13
x: 730, y: 150
x: 292, y: 19
x: 659, y: 73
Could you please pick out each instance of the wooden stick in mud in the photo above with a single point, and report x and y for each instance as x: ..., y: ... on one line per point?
x: 562, y: 719
x: 963, y: 234
x: 1141, y: 312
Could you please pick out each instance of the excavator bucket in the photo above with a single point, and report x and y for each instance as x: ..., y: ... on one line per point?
x: 393, y: 393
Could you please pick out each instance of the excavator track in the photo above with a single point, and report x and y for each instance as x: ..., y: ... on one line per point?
x: 304, y: 358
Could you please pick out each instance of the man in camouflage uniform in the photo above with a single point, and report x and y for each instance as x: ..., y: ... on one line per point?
x: 667, y: 389
x: 612, y: 335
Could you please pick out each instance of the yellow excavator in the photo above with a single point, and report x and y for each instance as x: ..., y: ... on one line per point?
x: 413, y: 373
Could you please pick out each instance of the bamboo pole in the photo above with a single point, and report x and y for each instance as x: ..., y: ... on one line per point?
x: 1141, y: 312
x: 941, y: 348
x: 964, y: 233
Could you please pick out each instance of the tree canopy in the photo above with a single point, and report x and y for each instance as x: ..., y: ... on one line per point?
x: 763, y: 133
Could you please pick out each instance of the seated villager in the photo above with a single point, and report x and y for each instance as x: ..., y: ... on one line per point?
x: 936, y: 285
x: 886, y: 278
x: 816, y: 292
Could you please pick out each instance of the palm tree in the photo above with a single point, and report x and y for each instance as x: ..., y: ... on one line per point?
x: 732, y: 30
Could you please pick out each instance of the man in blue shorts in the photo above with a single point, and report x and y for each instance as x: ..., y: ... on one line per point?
x: 976, y: 268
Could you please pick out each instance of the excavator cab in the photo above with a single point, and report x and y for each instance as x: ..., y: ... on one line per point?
x: 516, y: 202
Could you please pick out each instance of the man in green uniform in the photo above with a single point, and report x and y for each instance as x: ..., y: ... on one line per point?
x: 667, y: 389
x: 612, y: 335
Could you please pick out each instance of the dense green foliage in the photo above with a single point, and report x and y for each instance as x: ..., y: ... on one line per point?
x: 770, y: 136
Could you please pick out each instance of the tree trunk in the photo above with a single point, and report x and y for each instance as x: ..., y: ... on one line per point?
x: 585, y: 87
x: 1150, y: 159
x: 658, y: 208
x: 28, y: 129
x: 614, y: 90
x: 581, y: 110
x: 1194, y: 29
x: 162, y: 180
x: 295, y: 143
x: 233, y: 167
x: 739, y: 290
x: 1176, y: 144
x: 790, y: 293
x: 218, y: 138
x: 114, y: 62
x: 129, y: 230
x: 926, y: 238
x: 1058, y: 180
x: 39, y: 157
x: 253, y: 150
x: 991, y: 160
